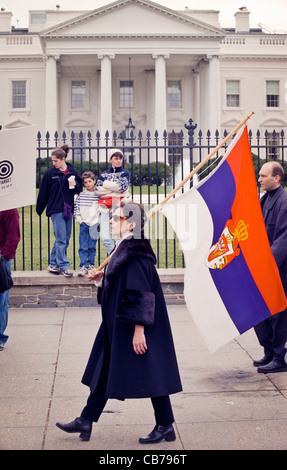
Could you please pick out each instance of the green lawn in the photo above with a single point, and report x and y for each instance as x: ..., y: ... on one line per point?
x: 37, y: 239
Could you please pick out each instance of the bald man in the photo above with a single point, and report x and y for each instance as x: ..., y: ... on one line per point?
x: 272, y: 332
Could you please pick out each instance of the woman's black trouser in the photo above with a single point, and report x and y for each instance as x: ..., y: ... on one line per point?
x: 161, y: 405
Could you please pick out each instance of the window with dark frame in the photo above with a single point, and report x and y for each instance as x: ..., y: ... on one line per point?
x: 272, y: 93
x: 232, y: 94
x: 175, y: 151
x: 273, y: 146
x: 126, y: 94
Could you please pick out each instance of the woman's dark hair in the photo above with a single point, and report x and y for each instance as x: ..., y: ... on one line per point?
x: 135, y: 212
x: 61, y: 152
x: 66, y: 149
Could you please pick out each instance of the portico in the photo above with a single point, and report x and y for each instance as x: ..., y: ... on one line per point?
x: 137, y: 61
x: 93, y: 50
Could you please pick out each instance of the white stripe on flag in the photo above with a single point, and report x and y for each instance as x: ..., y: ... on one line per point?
x: 201, y: 296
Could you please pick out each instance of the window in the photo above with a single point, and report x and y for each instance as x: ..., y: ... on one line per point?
x: 175, y: 148
x: 272, y: 93
x: 79, y: 146
x: 174, y: 93
x: 78, y: 94
x: 232, y: 94
x: 126, y: 94
x: 19, y: 94
x: 38, y: 18
x: 273, y: 146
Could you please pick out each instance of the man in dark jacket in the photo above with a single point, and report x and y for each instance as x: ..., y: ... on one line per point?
x: 272, y: 332
x: 133, y: 354
x: 9, y: 239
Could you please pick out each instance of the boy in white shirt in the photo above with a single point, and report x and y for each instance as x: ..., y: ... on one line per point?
x: 86, y: 214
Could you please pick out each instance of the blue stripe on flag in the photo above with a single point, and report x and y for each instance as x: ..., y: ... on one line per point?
x: 242, y: 299
x: 218, y: 193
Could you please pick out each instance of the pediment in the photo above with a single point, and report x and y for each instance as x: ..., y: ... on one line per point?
x: 230, y: 123
x: 271, y: 123
x: 79, y: 123
x: 132, y: 18
x: 17, y: 123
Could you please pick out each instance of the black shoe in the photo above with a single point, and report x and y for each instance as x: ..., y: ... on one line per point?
x: 81, y: 425
x: 158, y: 433
x: 273, y: 366
x: 262, y: 362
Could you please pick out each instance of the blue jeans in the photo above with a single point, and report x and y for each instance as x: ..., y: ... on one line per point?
x: 4, y: 305
x: 87, y: 245
x: 62, y: 231
x: 107, y: 240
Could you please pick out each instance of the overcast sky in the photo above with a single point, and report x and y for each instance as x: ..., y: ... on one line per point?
x: 271, y: 13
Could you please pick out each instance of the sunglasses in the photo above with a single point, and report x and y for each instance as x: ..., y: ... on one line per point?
x: 116, y: 218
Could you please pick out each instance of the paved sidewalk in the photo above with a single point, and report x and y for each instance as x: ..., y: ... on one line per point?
x: 225, y: 403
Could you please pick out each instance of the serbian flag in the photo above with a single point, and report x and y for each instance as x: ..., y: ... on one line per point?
x: 232, y: 281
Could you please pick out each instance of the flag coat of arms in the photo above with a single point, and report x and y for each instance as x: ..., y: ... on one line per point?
x: 231, y: 281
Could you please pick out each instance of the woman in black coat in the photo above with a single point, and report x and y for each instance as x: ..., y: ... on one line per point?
x: 133, y: 354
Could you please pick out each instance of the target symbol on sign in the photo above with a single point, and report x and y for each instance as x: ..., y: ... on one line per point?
x: 6, y: 169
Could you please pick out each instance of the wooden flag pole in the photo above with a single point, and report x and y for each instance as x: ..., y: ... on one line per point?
x: 188, y: 177
x: 197, y: 168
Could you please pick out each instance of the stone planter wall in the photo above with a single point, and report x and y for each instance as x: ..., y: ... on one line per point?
x: 34, y: 289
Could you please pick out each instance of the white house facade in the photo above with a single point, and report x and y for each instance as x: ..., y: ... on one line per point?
x: 134, y: 59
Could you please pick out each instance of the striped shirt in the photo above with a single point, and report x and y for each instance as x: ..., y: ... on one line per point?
x: 86, y: 208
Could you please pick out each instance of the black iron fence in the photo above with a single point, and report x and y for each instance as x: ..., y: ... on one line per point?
x: 156, y: 167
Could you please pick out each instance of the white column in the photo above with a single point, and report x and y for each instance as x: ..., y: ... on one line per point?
x: 214, y: 94
x: 106, y: 96
x: 160, y: 94
x: 196, y: 98
x: 52, y: 102
x: 150, y: 99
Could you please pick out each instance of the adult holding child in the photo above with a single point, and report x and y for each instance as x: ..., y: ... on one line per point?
x: 112, y: 187
x: 58, y: 188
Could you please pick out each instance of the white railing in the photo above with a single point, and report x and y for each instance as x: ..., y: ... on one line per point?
x: 19, y: 40
x: 274, y: 41
x: 233, y: 40
x: 248, y: 40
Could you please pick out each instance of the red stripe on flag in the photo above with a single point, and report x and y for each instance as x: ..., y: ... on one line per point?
x: 255, y: 248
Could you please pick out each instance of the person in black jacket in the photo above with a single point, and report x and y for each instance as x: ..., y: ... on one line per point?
x: 133, y: 354
x: 272, y: 332
x: 59, y: 185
